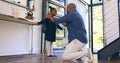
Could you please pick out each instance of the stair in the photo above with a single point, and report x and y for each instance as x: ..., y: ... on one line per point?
x: 109, y: 50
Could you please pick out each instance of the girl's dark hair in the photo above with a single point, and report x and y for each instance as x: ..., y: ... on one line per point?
x: 51, y: 8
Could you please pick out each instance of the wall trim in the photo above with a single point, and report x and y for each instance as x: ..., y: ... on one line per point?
x: 13, y: 52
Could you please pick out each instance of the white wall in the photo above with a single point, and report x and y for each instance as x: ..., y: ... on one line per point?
x: 111, y: 21
x: 37, y: 29
x: 16, y: 38
x: 22, y: 2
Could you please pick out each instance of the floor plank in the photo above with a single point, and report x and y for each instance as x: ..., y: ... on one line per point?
x: 35, y: 58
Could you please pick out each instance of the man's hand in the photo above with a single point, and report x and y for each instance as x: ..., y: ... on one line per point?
x: 50, y: 17
x: 64, y: 24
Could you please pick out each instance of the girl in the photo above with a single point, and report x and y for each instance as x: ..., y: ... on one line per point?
x: 49, y: 28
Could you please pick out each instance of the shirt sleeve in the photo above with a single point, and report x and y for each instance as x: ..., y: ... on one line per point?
x: 45, y: 20
x: 62, y: 19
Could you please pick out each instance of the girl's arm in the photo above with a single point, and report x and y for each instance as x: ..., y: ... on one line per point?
x: 45, y: 20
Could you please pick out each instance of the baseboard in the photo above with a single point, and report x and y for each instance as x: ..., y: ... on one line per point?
x: 13, y: 52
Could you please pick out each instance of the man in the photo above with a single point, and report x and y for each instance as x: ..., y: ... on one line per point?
x: 77, y: 37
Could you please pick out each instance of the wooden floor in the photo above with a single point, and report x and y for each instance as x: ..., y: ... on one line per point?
x: 34, y: 58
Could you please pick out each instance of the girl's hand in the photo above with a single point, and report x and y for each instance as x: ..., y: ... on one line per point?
x: 35, y: 23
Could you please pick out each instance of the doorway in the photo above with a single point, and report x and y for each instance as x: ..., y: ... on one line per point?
x: 95, y: 17
x: 60, y: 34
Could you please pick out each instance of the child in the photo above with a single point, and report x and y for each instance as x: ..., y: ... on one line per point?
x: 49, y: 29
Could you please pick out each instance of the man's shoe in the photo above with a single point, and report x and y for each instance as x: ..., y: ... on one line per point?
x: 54, y: 56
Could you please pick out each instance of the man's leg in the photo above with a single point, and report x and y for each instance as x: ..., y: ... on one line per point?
x: 71, y: 51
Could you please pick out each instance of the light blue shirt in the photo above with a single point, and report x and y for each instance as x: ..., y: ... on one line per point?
x: 75, y: 26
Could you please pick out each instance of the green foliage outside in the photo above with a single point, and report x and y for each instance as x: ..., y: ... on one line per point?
x: 97, y: 27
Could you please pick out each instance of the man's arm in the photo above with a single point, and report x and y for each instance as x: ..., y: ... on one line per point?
x: 59, y: 20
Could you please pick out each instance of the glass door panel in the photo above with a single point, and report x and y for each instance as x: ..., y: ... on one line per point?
x: 59, y: 1
x: 97, y: 28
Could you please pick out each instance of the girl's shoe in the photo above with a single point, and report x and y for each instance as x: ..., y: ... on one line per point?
x: 51, y: 56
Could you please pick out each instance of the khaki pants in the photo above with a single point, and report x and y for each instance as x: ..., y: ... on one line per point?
x: 73, y: 50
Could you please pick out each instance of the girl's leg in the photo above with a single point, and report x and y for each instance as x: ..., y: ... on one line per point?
x: 52, y: 54
x: 48, y: 47
x: 51, y: 48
